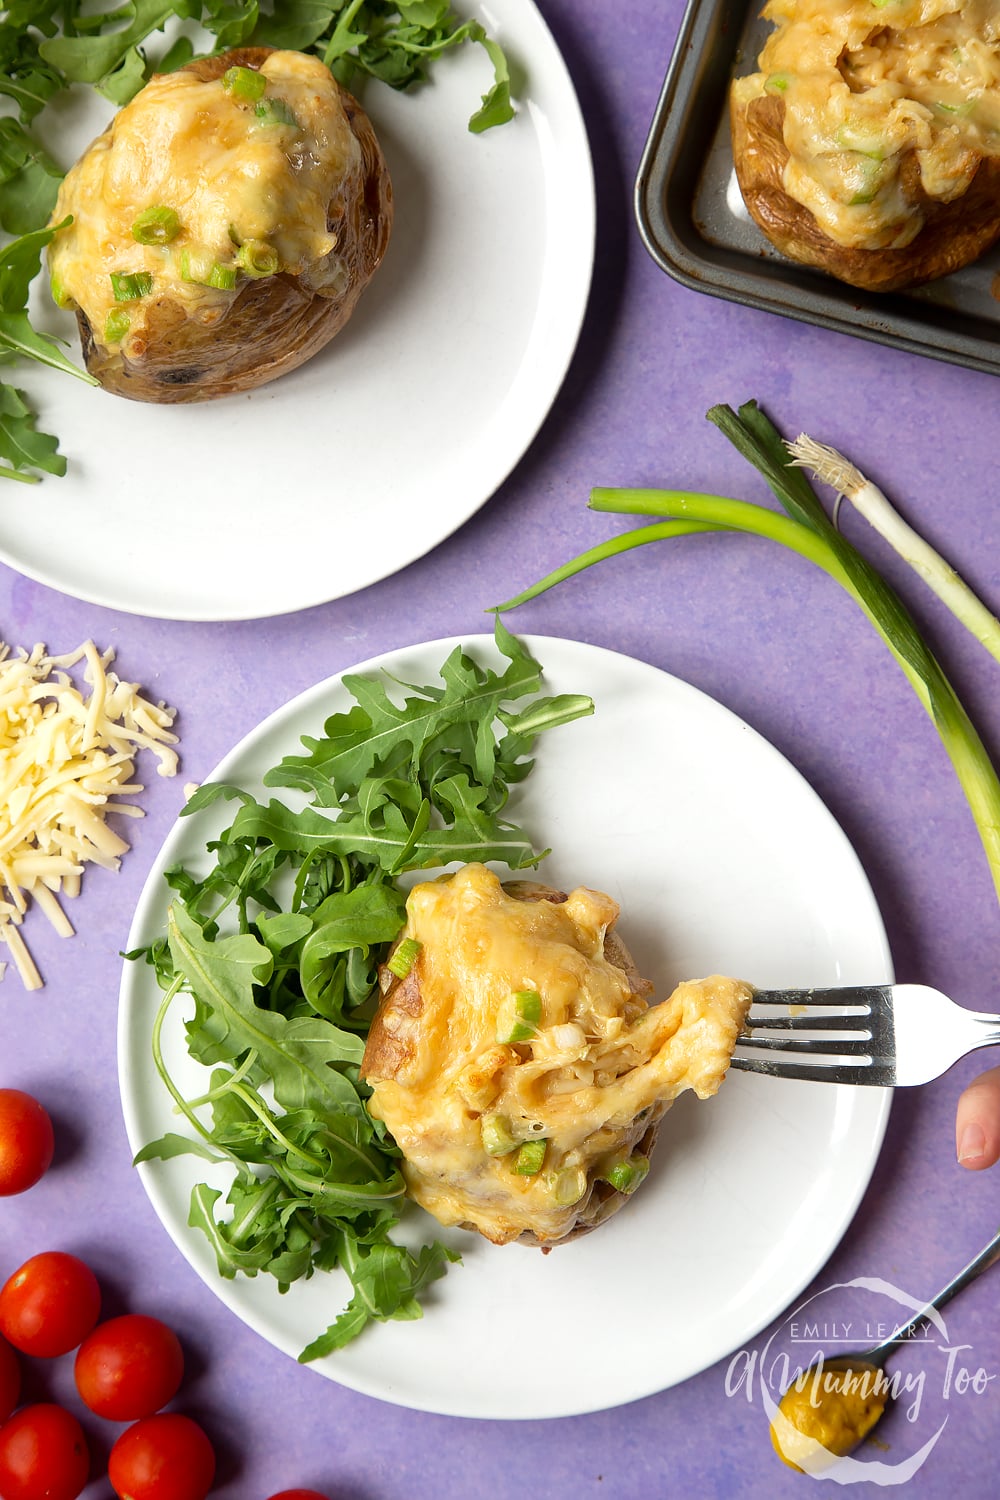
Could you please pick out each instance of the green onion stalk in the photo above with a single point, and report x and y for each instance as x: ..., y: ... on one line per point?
x: 806, y: 528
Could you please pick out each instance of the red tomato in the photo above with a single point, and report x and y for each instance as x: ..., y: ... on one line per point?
x: 10, y: 1380
x: 49, y: 1305
x: 299, y: 1495
x: 129, y: 1367
x: 43, y: 1455
x: 26, y: 1142
x: 166, y: 1457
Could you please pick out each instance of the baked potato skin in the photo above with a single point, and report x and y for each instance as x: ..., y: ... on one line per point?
x: 274, y: 324
x: 387, y: 1055
x: 954, y: 234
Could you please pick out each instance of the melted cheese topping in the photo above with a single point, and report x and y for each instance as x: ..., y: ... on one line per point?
x: 65, y: 760
x: 600, y: 1067
x: 865, y: 85
x: 231, y: 178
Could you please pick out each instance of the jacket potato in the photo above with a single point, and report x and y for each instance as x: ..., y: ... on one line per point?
x: 518, y: 1064
x: 867, y: 143
x: 224, y: 227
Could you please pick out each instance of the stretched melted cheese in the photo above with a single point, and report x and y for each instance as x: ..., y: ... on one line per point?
x: 230, y: 177
x: 865, y: 85
x: 601, y: 1067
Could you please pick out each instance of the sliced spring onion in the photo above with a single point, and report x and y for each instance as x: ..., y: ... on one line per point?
x: 626, y: 1173
x: 518, y: 1016
x: 244, y: 83
x: 275, y: 112
x: 567, y: 1186
x: 60, y: 296
x: 858, y: 136
x: 808, y: 530
x: 129, y: 286
x: 530, y: 1157
x: 116, y: 326
x: 156, y: 226
x: 222, y: 277
x: 198, y: 267
x: 402, y: 958
x: 256, y: 258
x: 868, y: 174
x: 496, y: 1135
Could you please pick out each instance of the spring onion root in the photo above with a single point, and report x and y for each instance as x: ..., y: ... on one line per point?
x: 833, y: 469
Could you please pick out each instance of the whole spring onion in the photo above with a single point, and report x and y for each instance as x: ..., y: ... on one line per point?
x: 156, y: 226
x: 130, y: 286
x: 806, y: 528
x: 837, y: 471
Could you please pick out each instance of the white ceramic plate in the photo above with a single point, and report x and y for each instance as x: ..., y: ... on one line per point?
x: 363, y: 460
x: 723, y: 859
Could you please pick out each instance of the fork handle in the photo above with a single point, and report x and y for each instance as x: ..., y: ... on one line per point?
x: 987, y: 1257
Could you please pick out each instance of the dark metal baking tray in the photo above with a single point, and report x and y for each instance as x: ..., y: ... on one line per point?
x: 694, y: 224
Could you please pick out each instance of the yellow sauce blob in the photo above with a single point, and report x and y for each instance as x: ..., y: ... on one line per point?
x: 827, y: 1412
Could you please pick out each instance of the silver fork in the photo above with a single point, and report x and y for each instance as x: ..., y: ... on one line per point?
x: 880, y: 1034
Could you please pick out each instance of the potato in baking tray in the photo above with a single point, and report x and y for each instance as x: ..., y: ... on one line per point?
x: 867, y: 143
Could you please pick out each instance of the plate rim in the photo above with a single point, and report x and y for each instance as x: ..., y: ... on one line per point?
x: 152, y: 898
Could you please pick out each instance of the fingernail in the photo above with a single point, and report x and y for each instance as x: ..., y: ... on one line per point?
x: 972, y: 1144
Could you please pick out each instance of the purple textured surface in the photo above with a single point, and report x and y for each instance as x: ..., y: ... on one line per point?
x: 744, y: 621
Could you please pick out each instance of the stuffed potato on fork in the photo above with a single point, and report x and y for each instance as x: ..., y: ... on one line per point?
x: 224, y: 227
x: 517, y: 1062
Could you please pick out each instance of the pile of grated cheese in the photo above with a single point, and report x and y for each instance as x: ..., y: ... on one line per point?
x: 66, y: 760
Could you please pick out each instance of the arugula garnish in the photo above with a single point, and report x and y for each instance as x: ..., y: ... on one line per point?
x: 278, y: 946
x: 22, y: 446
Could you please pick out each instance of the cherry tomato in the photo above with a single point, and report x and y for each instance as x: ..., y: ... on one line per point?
x: 166, y: 1457
x: 43, y: 1455
x: 129, y: 1367
x: 299, y: 1495
x: 10, y: 1380
x: 49, y: 1305
x: 26, y: 1142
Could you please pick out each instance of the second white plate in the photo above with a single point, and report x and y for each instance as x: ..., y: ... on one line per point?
x: 363, y: 460
x: 723, y: 860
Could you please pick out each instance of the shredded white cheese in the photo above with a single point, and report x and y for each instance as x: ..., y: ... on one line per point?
x: 65, y: 761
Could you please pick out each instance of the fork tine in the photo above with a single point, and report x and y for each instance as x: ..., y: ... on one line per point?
x: 875, y: 1073
x: 865, y: 995
x: 811, y: 1022
x: 831, y: 1047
